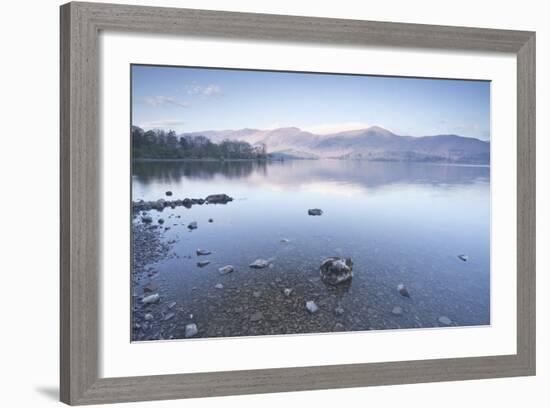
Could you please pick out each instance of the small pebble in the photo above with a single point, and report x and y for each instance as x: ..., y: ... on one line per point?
x: 444, y: 320
x: 191, y: 330
x: 311, y: 306
x: 397, y: 311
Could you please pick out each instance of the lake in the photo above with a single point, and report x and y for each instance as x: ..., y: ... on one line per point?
x: 400, y: 223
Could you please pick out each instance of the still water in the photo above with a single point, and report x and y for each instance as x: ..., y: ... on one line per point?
x: 400, y: 223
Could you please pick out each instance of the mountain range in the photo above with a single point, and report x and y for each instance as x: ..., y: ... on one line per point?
x: 373, y: 143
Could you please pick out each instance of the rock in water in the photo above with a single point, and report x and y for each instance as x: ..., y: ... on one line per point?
x: 463, y: 257
x: 202, y: 264
x: 168, y: 193
x: 148, y: 317
x: 397, y: 311
x: 218, y: 286
x: 226, y: 269
x: 403, y: 290
x: 285, y: 241
x: 218, y: 199
x: 147, y: 219
x: 191, y: 330
x: 160, y: 221
x: 287, y: 292
x: 336, y: 270
x: 192, y: 225
x: 444, y: 320
x: 259, y: 264
x: 315, y: 211
x: 210, y: 220
x: 154, y: 298
x: 256, y: 317
x: 311, y: 306
x: 203, y: 252
x: 150, y: 287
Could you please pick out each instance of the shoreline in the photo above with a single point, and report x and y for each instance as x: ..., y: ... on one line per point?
x: 211, y: 160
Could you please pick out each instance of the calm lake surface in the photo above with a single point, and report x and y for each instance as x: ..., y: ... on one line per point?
x: 399, y: 223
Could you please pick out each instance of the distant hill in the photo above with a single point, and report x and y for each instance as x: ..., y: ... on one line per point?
x: 373, y: 143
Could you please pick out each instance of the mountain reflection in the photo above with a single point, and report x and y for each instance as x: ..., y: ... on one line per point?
x: 311, y: 173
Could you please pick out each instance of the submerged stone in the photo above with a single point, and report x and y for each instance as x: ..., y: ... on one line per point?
x: 403, y: 291
x: 256, y: 317
x: 226, y: 269
x: 191, y: 330
x: 397, y: 311
x: 311, y: 306
x: 154, y: 298
x: 259, y: 264
x: 444, y: 320
x: 463, y: 257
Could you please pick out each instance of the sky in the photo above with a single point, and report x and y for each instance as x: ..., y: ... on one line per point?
x: 196, y: 99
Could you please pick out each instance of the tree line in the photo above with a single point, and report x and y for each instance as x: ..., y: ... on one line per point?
x: 161, y: 144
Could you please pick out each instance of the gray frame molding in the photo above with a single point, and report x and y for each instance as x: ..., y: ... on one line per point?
x: 80, y: 234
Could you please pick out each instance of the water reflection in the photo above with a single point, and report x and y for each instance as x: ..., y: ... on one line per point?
x: 299, y: 173
x: 399, y: 222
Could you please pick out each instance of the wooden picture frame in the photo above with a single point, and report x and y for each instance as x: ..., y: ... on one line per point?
x: 81, y: 24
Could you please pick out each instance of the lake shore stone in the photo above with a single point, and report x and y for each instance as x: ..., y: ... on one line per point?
x: 335, y: 270
x: 256, y: 317
x: 154, y: 298
x: 259, y: 264
x: 202, y: 264
x: 203, y: 252
x: 403, y: 291
x: 397, y: 311
x: 444, y: 320
x: 191, y: 330
x: 226, y: 269
x: 218, y: 199
x: 311, y: 306
x: 315, y: 211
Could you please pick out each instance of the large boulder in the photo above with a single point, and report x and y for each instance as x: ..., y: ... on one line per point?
x: 335, y: 270
x: 218, y: 199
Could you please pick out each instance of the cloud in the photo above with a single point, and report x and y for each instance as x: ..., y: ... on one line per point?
x: 328, y: 128
x: 159, y: 101
x: 163, y: 124
x: 204, y: 90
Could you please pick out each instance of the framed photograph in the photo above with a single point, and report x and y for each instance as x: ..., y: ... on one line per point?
x: 259, y: 203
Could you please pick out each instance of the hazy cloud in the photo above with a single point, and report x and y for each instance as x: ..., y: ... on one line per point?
x: 163, y: 124
x: 204, y: 90
x: 159, y: 101
x: 328, y: 128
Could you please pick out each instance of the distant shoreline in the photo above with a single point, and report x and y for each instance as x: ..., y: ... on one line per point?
x: 213, y: 160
